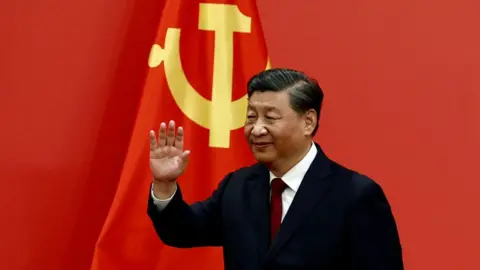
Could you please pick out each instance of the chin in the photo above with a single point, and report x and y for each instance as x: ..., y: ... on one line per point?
x: 265, y: 158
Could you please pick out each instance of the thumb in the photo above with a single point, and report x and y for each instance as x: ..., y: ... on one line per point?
x: 184, y: 156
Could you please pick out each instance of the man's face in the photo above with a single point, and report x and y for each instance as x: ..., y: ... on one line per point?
x: 273, y: 129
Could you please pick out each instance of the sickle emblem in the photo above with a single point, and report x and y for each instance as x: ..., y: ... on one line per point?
x: 221, y: 114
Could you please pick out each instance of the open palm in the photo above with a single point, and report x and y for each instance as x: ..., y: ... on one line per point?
x: 168, y: 160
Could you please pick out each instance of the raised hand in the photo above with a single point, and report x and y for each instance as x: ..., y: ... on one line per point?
x: 168, y: 160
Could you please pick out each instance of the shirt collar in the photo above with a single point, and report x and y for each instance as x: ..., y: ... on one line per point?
x: 293, y: 178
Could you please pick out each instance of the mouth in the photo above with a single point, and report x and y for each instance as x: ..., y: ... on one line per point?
x: 261, y: 144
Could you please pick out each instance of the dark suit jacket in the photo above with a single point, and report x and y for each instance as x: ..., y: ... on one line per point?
x: 339, y: 219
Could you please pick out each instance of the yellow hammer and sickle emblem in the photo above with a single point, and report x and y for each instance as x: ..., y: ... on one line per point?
x: 221, y: 114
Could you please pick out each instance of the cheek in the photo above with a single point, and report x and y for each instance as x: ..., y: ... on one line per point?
x: 247, y: 130
x: 280, y: 134
x: 285, y: 134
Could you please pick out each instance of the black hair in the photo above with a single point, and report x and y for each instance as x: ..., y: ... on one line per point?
x: 304, y: 92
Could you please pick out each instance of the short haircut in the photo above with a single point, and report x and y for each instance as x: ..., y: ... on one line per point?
x: 304, y: 92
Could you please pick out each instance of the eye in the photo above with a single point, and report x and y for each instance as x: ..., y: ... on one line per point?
x: 250, y: 118
x: 271, y: 118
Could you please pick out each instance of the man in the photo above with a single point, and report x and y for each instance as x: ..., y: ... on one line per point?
x: 294, y: 209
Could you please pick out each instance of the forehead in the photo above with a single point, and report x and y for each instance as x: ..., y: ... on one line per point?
x: 268, y: 99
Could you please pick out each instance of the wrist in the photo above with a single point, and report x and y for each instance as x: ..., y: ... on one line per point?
x: 164, y: 190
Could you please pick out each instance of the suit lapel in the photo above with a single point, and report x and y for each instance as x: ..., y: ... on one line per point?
x: 258, y: 192
x: 311, y: 191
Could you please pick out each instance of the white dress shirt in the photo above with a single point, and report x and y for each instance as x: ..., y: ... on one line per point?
x: 293, y: 178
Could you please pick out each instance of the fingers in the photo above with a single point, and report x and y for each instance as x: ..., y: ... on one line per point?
x: 167, y: 136
x: 153, y: 140
x: 162, y: 135
x: 171, y: 133
x: 179, y: 139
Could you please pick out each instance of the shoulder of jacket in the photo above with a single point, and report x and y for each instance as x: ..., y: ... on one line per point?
x: 358, y: 182
x: 248, y: 170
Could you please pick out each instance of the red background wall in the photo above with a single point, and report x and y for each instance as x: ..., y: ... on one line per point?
x: 70, y: 78
x: 401, y: 83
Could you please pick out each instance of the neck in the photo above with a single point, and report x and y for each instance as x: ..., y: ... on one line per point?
x: 282, y: 166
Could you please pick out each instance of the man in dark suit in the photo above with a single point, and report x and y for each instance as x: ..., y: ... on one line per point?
x: 294, y: 209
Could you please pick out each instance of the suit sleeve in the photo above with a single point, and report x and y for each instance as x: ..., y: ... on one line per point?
x: 184, y: 226
x: 373, y: 237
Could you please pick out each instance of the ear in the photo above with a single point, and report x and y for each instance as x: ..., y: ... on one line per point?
x: 310, y: 118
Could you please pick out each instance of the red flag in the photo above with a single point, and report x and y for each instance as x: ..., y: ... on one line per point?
x: 203, y: 56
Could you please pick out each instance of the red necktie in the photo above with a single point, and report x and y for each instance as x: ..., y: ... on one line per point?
x: 277, y: 186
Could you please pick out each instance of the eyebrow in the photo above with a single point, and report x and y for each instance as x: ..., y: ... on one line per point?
x: 267, y: 108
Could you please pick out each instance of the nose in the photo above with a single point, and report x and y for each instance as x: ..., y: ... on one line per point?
x: 259, y: 129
